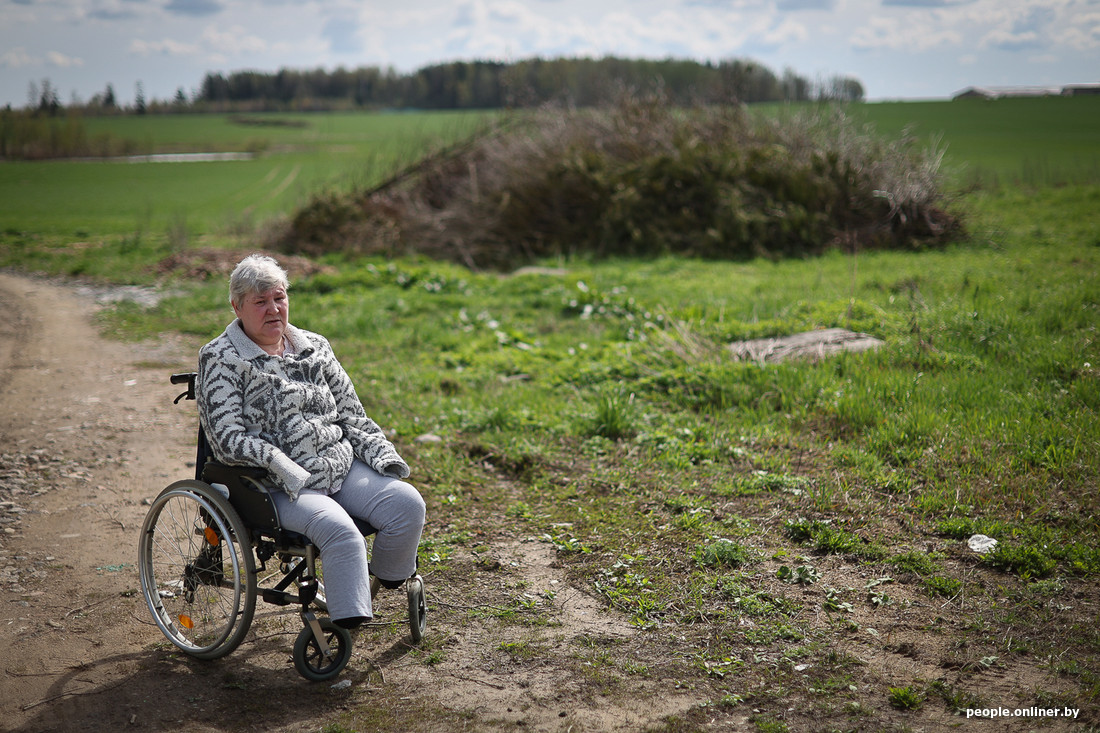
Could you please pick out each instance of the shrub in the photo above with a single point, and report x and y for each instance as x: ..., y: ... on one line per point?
x: 644, y: 178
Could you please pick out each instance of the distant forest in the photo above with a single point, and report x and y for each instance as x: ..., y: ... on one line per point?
x: 581, y: 82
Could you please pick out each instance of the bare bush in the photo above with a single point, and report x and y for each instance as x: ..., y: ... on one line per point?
x: 644, y: 178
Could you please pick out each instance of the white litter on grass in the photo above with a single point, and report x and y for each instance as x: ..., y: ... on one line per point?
x: 980, y: 543
x: 342, y: 685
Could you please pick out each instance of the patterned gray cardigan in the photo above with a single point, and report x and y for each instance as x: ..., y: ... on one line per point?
x: 297, y: 416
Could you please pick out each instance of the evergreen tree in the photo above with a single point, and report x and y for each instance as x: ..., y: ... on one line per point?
x: 48, y: 101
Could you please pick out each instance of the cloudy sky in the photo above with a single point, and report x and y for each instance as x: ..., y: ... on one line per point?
x: 898, y: 49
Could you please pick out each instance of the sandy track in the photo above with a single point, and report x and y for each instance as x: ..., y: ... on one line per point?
x: 87, y: 432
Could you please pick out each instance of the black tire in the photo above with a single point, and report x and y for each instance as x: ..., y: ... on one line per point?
x: 198, y: 573
x: 308, y: 659
x: 418, y: 608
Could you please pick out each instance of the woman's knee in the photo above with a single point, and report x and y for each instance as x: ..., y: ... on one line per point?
x: 417, y: 507
x: 403, y: 511
x: 413, y: 503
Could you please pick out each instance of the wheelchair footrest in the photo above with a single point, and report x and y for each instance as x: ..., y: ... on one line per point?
x: 278, y: 597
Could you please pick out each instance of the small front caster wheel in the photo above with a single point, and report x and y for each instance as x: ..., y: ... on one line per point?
x: 311, y: 662
x: 418, y: 608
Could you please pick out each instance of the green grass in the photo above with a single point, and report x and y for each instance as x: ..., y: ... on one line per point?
x: 984, y: 398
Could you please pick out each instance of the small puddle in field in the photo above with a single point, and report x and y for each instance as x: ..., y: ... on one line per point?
x: 183, y: 158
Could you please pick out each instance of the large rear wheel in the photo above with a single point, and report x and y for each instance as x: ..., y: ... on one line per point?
x: 198, y: 573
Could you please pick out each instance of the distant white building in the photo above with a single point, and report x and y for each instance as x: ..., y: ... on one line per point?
x: 1070, y: 90
x: 1075, y: 90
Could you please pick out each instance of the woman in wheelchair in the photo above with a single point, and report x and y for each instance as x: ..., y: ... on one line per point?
x: 274, y: 396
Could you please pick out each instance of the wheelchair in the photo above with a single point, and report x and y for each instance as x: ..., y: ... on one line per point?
x: 204, y: 543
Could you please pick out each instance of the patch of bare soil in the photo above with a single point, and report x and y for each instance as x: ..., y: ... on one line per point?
x: 89, y: 434
x: 208, y: 262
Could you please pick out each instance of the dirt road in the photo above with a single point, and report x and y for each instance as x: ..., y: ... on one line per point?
x: 88, y: 435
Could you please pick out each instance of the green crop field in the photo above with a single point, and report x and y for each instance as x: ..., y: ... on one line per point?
x: 295, y: 156
x: 788, y: 540
x: 1030, y: 141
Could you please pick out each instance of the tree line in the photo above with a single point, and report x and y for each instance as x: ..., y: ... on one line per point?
x: 47, y: 128
x: 581, y: 82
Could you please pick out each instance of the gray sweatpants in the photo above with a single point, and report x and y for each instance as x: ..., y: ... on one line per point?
x: 392, y: 506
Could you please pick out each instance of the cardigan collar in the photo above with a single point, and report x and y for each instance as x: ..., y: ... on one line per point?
x: 249, y: 349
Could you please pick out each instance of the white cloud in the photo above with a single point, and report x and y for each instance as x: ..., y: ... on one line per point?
x: 912, y: 32
x: 232, y: 41
x: 923, y: 3
x: 786, y: 32
x: 165, y: 47
x: 17, y: 58
x: 60, y: 60
x: 216, y: 44
x: 1009, y: 41
x: 1084, y: 33
x: 1020, y: 26
x: 806, y: 4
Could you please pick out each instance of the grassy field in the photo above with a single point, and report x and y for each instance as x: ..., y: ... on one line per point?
x: 295, y: 156
x: 1035, y: 142
x: 790, y: 538
x: 1028, y: 141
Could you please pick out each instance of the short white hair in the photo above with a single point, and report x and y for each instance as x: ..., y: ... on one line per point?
x: 256, y: 274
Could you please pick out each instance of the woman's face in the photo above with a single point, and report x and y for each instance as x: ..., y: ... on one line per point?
x: 264, y: 315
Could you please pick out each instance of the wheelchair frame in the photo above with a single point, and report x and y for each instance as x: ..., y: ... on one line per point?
x: 197, y: 559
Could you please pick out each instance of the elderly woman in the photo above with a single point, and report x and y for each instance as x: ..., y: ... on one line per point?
x: 274, y: 396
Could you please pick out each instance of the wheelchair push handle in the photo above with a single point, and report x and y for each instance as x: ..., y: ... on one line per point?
x: 187, y: 378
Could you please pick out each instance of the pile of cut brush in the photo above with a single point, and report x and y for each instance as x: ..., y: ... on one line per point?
x: 642, y: 178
